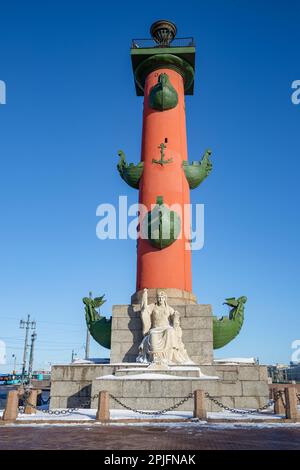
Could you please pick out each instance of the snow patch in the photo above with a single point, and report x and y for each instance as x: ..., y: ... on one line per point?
x: 85, y: 417
x: 155, y: 376
x: 237, y: 360
x: 184, y: 368
x: 82, y: 361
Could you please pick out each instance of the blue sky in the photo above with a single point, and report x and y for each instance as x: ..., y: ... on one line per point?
x: 71, y: 105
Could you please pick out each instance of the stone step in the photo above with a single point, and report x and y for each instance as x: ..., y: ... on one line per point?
x: 182, y: 371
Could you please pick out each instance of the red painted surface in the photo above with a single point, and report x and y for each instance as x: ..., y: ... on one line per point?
x: 171, y: 266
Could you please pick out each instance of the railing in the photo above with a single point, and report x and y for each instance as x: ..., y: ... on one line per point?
x: 147, y: 43
x: 285, y: 403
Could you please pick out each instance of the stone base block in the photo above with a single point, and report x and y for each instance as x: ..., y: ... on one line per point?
x: 188, y: 371
x: 195, y: 322
x: 238, y: 386
x: 151, y: 394
x: 175, y: 296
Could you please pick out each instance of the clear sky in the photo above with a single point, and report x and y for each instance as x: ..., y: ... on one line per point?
x: 71, y: 105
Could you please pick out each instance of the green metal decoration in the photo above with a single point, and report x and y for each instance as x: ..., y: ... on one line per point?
x: 226, y: 328
x: 197, y: 171
x: 98, y: 326
x: 130, y: 173
x: 163, y: 95
x: 158, y: 59
x: 162, y: 160
x: 161, y: 226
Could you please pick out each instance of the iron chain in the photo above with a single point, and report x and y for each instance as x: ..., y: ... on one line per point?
x: 155, y: 413
x: 54, y: 412
x: 237, y: 411
x: 279, y: 394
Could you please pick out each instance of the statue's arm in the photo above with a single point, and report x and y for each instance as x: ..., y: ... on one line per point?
x: 144, y: 303
x: 146, y: 318
x: 172, y: 314
x: 145, y: 313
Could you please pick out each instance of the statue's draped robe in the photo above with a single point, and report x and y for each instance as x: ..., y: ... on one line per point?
x: 162, y: 339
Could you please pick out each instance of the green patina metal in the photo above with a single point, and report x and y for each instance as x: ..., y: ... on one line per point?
x: 163, y: 95
x: 99, y: 327
x: 139, y: 55
x: 197, y: 171
x: 167, y: 61
x: 226, y: 328
x: 129, y: 172
x: 162, y: 161
x: 161, y: 226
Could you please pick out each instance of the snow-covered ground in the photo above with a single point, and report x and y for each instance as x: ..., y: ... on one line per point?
x: 224, y: 424
x: 84, y: 416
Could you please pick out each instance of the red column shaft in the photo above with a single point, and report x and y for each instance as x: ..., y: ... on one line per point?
x: 171, y: 266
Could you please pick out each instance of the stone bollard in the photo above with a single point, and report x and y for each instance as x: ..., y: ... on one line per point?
x: 199, y: 405
x: 291, y: 403
x: 12, y: 404
x: 32, y: 399
x: 103, y: 407
x: 279, y: 408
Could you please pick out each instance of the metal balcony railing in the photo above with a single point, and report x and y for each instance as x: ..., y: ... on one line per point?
x: 148, y: 43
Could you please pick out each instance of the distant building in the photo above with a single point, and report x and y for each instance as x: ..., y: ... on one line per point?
x: 283, y: 373
x: 293, y: 372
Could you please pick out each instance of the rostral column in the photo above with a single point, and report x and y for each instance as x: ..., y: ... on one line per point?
x: 163, y: 70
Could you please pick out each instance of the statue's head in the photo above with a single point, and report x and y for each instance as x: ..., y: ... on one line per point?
x: 161, y: 297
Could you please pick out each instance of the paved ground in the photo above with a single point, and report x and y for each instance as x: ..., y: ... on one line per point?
x: 188, y: 437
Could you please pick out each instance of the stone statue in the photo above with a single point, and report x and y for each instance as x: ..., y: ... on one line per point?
x: 162, y: 343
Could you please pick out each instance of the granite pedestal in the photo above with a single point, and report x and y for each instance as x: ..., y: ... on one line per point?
x: 195, y: 322
x: 239, y: 385
x: 235, y: 385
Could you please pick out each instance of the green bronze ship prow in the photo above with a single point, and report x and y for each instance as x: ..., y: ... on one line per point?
x: 98, y: 326
x: 197, y: 171
x: 130, y: 173
x: 225, y: 329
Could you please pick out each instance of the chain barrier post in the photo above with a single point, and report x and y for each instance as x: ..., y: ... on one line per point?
x: 291, y: 403
x: 279, y: 405
x: 200, y: 411
x: 30, y: 406
x: 103, y: 407
x: 11, y: 408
